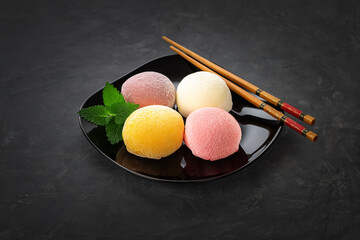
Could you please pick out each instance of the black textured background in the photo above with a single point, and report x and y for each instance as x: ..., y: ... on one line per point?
x: 55, y: 185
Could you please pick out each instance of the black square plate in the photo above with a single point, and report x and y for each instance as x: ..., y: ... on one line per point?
x: 259, y: 130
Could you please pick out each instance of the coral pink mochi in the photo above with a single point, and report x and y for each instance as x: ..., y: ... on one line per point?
x: 149, y: 88
x: 212, y: 133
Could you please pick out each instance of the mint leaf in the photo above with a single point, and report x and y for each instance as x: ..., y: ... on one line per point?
x: 98, y: 115
x: 111, y: 95
x: 114, y: 132
x: 112, y: 115
x: 122, y: 111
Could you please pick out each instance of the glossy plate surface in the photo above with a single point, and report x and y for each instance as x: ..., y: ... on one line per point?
x: 259, y: 130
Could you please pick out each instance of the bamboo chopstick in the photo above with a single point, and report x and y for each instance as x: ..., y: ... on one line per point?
x: 252, y: 88
x: 254, y: 100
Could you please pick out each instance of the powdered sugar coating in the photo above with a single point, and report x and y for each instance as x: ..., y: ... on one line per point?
x: 212, y: 133
x: 149, y: 88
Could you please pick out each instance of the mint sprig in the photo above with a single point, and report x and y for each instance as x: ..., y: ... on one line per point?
x: 112, y: 115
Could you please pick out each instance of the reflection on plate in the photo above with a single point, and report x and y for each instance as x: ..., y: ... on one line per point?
x: 259, y: 130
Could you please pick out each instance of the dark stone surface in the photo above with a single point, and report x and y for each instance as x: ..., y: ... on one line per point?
x: 55, y: 185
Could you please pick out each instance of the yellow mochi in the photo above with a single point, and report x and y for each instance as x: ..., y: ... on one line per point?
x: 153, y: 132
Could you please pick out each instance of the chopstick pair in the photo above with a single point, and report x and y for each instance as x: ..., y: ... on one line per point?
x: 247, y: 96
